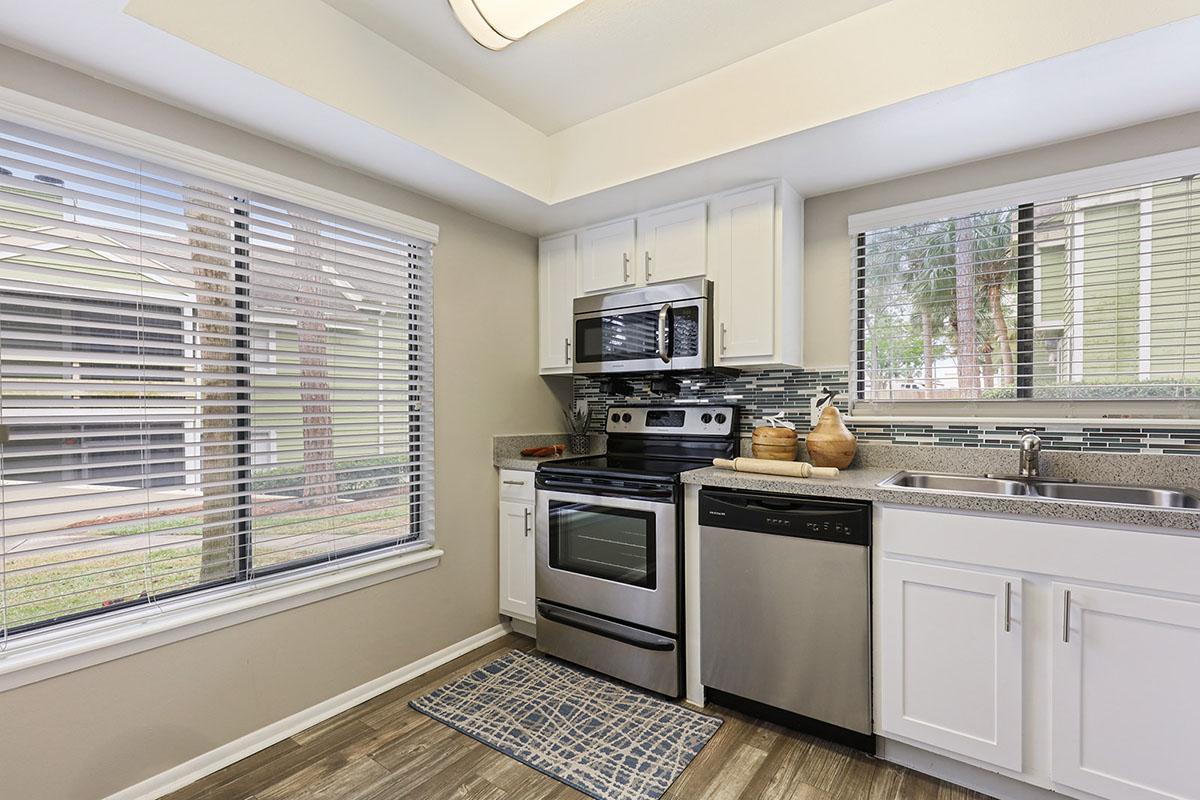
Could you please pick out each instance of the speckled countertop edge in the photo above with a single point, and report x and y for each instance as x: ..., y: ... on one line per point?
x: 861, y: 484
x: 506, y: 450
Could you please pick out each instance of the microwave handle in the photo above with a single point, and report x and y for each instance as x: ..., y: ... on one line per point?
x: 664, y: 314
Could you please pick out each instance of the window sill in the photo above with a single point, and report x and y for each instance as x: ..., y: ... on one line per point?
x: 967, y: 419
x: 38, y: 655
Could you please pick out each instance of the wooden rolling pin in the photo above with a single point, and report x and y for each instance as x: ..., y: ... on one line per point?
x: 790, y: 469
x: 543, y: 452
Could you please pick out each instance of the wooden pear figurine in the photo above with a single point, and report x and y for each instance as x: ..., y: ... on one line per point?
x: 830, y: 443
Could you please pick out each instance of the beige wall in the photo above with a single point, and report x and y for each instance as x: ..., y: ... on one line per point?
x: 828, y: 248
x: 92, y: 732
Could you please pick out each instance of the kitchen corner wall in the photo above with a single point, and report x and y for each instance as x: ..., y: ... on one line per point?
x: 89, y: 733
x: 770, y: 391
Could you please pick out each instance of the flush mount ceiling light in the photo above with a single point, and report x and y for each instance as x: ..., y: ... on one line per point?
x: 496, y: 24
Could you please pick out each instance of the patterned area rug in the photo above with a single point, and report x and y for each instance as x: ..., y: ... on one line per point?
x: 607, y: 740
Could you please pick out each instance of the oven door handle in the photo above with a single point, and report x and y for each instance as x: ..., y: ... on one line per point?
x: 602, y: 627
x: 648, y: 493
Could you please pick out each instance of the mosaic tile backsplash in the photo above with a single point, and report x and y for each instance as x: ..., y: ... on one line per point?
x: 770, y: 391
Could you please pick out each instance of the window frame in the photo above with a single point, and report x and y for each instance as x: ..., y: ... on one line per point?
x: 1018, y: 195
x: 40, y: 650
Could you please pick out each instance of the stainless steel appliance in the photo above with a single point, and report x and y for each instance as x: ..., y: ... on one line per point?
x: 785, y: 631
x: 661, y: 328
x: 609, y: 533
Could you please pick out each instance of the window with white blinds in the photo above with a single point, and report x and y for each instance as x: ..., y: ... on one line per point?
x: 199, y: 385
x: 1089, y: 297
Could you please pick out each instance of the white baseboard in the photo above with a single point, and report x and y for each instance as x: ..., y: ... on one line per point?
x: 207, y: 763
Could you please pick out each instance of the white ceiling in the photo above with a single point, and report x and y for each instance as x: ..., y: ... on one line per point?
x: 1145, y: 75
x: 602, y: 54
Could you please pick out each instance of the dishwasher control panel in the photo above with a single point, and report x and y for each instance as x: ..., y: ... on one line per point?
x: 787, y: 515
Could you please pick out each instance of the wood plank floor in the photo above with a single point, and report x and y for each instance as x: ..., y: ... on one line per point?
x: 383, y: 750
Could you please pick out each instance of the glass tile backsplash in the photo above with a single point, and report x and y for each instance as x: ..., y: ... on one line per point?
x: 769, y: 391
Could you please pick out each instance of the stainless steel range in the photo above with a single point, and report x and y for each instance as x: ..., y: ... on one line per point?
x: 609, y: 542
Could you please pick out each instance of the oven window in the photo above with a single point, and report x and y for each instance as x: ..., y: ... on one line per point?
x: 633, y: 335
x: 615, y: 544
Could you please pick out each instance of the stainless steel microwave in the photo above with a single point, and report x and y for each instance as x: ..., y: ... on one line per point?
x: 661, y: 328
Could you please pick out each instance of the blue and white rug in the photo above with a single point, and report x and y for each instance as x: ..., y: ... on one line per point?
x: 607, y: 740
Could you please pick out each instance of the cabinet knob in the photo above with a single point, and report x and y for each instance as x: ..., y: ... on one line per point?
x: 647, y: 265
x: 567, y: 350
x: 625, y: 267
x: 722, y: 338
x: 527, y: 523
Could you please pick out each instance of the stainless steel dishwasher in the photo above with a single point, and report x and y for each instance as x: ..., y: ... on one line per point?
x: 785, y: 610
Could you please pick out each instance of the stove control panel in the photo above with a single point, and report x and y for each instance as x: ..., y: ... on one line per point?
x: 672, y: 420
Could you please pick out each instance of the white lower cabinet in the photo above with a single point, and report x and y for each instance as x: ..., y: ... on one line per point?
x: 951, y: 667
x: 517, y: 551
x: 1063, y: 655
x: 1126, y: 687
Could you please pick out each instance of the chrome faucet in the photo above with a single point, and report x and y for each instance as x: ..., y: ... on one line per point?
x: 1031, y: 448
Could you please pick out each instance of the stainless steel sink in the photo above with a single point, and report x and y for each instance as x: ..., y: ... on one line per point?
x: 1048, y: 489
x: 936, y: 482
x: 1125, y: 495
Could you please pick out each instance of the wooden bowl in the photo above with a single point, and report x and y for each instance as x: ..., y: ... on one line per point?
x: 776, y: 444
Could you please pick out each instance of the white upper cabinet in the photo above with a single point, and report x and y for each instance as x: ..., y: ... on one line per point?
x: 748, y: 242
x: 557, y: 278
x: 755, y: 263
x: 673, y: 244
x: 1126, y: 712
x: 606, y: 256
x: 951, y: 668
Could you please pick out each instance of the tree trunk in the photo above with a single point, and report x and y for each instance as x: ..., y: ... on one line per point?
x: 1001, y: 325
x: 964, y: 305
x: 927, y: 350
x: 316, y: 396
x: 215, y: 325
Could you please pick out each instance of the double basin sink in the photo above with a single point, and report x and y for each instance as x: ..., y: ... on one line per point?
x: 1045, y: 489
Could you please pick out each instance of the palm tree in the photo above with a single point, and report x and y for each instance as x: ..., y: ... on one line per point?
x: 928, y: 282
x: 996, y: 272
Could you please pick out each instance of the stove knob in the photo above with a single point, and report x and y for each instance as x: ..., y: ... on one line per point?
x: 706, y: 417
x: 626, y: 417
x: 616, y: 417
x: 720, y: 418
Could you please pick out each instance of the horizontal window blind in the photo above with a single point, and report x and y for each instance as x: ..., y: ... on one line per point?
x: 199, y: 385
x: 1093, y: 296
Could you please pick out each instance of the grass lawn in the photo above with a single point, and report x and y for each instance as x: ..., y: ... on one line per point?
x: 64, y: 582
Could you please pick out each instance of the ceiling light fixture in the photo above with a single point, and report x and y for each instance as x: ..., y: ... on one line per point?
x: 496, y: 24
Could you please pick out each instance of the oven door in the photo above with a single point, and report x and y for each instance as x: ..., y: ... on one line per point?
x: 611, y: 556
x: 649, y: 338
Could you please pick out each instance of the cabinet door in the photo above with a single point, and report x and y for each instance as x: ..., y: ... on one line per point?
x: 674, y: 244
x: 951, y: 660
x: 605, y: 256
x: 516, y: 560
x: 557, y: 275
x: 1125, y: 714
x: 743, y: 272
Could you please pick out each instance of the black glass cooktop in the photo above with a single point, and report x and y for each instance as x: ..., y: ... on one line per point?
x: 631, y: 465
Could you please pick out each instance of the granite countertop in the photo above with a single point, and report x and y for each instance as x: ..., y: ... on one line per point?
x: 506, y: 450
x: 860, y: 483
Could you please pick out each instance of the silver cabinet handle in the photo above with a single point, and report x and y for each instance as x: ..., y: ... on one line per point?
x: 1007, y: 606
x: 722, y: 338
x: 567, y: 350
x: 1067, y: 616
x: 647, y: 265
x: 526, y: 522
x: 664, y: 315
x: 625, y: 267
x: 514, y: 483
